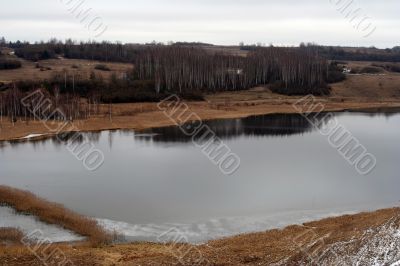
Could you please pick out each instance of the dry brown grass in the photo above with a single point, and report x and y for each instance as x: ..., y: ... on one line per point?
x: 263, y: 248
x: 52, y: 213
x: 368, y: 86
x: 10, y: 235
x: 79, y: 67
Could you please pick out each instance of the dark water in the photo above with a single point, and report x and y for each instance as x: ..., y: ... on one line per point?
x: 154, y: 180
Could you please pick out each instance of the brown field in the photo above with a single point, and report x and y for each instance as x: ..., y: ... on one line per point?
x: 308, y: 244
x: 231, y: 50
x: 26, y: 202
x: 369, y: 86
x: 28, y: 71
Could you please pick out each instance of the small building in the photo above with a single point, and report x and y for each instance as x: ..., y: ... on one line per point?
x: 346, y: 70
x: 236, y: 71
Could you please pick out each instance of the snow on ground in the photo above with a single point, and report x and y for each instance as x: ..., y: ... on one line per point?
x: 203, y: 231
x: 378, y: 246
x: 32, y: 136
x: 37, y: 230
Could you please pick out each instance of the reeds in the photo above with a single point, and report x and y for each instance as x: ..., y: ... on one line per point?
x: 52, y: 213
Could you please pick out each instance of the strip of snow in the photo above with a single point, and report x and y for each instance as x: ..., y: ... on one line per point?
x: 32, y: 136
x: 378, y: 246
x: 203, y: 231
x: 34, y: 229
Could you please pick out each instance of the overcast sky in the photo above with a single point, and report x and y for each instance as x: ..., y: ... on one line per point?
x: 282, y: 22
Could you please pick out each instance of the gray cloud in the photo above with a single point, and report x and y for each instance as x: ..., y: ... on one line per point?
x: 284, y: 22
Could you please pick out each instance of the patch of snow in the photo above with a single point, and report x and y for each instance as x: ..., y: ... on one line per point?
x: 378, y: 246
x: 28, y: 224
x: 32, y: 136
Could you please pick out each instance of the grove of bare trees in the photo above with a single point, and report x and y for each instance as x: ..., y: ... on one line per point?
x: 179, y: 69
x: 43, y: 105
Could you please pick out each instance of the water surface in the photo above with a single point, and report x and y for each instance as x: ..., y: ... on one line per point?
x: 154, y: 180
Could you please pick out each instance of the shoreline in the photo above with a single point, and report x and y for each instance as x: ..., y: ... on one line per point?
x: 329, y: 240
x: 154, y: 118
x: 286, y: 219
x: 24, y: 202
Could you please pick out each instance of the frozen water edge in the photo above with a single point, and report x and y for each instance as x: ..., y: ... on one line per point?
x: 203, y: 231
x: 28, y: 224
x: 376, y: 246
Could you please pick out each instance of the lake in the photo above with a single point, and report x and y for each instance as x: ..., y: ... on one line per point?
x: 156, y: 180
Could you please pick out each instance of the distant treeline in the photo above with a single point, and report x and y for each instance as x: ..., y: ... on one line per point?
x: 347, y: 53
x: 118, y: 52
x: 104, y: 51
x: 362, y: 54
